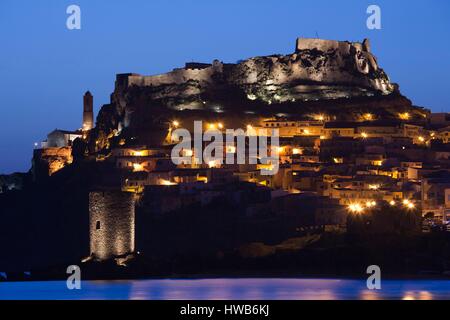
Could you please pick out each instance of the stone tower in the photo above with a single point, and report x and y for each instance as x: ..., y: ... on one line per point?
x: 111, y: 224
x: 88, y: 111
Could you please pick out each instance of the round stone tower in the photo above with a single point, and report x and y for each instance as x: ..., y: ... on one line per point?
x: 111, y: 223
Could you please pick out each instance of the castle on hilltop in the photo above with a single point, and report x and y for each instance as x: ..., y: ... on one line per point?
x: 324, y: 62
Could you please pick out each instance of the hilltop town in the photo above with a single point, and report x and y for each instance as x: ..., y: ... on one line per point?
x: 359, y: 167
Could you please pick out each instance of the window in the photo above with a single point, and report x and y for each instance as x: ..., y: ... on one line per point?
x: 97, y: 225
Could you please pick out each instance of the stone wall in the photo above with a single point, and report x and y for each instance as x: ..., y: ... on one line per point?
x: 322, y: 45
x: 326, y: 45
x: 111, y: 224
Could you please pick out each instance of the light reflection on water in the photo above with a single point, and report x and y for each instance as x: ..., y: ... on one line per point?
x: 225, y: 289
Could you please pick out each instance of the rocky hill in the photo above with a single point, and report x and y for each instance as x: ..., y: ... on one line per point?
x: 339, y: 78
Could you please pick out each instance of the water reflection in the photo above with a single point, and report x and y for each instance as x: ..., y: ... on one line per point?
x: 223, y: 289
x: 369, y: 295
x: 421, y: 295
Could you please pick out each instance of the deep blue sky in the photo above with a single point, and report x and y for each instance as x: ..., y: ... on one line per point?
x: 45, y: 68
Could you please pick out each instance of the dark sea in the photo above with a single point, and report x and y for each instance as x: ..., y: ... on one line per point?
x: 234, y: 289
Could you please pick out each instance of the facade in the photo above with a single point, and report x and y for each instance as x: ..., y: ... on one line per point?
x: 292, y: 128
x: 442, y: 119
x: 60, y: 138
x: 435, y: 194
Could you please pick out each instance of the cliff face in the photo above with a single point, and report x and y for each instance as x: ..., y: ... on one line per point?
x: 50, y: 160
x: 318, y: 69
x: 320, y: 74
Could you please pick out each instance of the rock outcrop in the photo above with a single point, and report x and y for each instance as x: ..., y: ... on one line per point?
x: 318, y: 69
x: 320, y: 74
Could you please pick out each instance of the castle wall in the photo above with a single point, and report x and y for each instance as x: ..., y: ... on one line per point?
x: 177, y: 76
x: 322, y: 45
x: 111, y: 223
x: 325, y: 45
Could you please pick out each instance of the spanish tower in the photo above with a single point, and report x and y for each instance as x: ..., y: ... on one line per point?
x: 88, y: 111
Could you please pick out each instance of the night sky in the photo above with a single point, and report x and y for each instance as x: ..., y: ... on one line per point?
x: 45, y: 68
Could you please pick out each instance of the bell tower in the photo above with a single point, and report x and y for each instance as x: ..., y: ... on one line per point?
x: 88, y: 111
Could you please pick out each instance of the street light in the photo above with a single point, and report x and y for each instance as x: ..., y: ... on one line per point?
x: 356, y: 208
x: 370, y: 204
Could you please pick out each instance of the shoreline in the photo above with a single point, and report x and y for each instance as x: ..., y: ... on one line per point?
x: 258, y: 276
